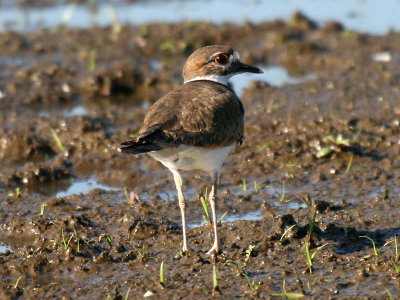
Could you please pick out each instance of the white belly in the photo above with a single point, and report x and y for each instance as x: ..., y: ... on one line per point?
x: 186, y: 157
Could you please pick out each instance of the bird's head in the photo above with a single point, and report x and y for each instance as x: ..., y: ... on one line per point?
x: 216, y: 63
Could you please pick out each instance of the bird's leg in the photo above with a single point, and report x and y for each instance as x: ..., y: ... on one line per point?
x: 216, y: 248
x: 182, y: 205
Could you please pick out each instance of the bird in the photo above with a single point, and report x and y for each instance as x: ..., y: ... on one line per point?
x: 195, y: 126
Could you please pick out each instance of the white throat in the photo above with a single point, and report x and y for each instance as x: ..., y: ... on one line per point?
x: 223, y: 79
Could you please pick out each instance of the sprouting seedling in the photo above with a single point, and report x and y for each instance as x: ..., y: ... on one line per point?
x: 140, y: 252
x: 244, y: 185
x: 357, y: 135
x: 64, y: 242
x: 252, y: 285
x: 389, y: 294
x: 206, y: 218
x: 127, y: 294
x: 92, y: 59
x: 287, y: 230
x: 223, y: 216
x: 264, y: 146
x: 215, y: 281
x: 77, y: 241
x: 42, y: 208
x: 349, y: 164
x: 108, y: 238
x: 396, y: 267
x: 15, y: 286
x: 162, y: 279
x: 256, y: 188
x: 338, y: 140
x: 18, y: 192
x: 283, y: 192
x: 60, y: 144
x: 324, y: 152
x: 285, y: 295
x: 311, y: 224
x: 376, y: 250
x: 310, y: 256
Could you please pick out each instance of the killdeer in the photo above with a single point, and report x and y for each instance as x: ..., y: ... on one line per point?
x: 195, y: 126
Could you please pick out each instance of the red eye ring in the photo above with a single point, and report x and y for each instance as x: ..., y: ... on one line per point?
x: 221, y: 59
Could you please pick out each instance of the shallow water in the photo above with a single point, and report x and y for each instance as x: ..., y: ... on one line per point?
x: 273, y: 75
x: 83, y: 187
x: 368, y: 16
x: 4, y: 249
x: 248, y: 216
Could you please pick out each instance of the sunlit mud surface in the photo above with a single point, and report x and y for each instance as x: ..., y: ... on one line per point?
x: 318, y: 170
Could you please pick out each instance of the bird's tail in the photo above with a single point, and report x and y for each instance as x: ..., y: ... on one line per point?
x: 138, y: 146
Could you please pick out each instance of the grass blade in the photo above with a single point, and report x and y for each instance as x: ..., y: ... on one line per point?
x: 162, y: 280
x: 215, y: 280
x: 60, y: 145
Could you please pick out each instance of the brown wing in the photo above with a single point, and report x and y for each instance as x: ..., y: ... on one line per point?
x: 199, y: 113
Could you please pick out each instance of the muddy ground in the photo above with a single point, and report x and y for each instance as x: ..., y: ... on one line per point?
x: 324, y: 150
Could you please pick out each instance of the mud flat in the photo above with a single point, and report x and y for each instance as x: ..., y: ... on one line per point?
x: 318, y: 171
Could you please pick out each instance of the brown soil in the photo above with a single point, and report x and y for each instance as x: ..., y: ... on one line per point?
x: 350, y: 110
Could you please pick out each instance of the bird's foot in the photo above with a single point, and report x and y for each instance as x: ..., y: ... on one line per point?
x: 215, y: 249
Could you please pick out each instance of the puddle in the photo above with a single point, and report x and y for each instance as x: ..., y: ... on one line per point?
x: 285, y: 206
x: 76, y: 111
x: 368, y: 16
x: 84, y: 187
x: 4, y: 249
x: 249, y: 216
x: 273, y: 75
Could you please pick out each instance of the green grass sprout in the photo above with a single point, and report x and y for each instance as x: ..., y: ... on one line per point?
x: 389, y: 294
x: 286, y: 295
x: 287, y: 230
x: 64, y: 243
x: 42, y: 208
x: 256, y: 188
x: 215, y: 290
x: 396, y: 267
x: 127, y: 294
x: 60, y: 145
x: 376, y: 250
x: 310, y: 256
x: 283, y: 193
x: 18, y: 192
x: 223, y: 216
x: 349, y: 164
x: 244, y: 185
x: 15, y: 286
x: 77, y: 241
x: 252, y: 285
x: 162, y: 279
x: 203, y: 200
x: 92, y: 59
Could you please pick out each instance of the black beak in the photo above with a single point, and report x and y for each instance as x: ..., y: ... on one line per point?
x: 243, y: 68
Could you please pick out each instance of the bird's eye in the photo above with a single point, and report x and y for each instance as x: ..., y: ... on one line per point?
x: 221, y: 59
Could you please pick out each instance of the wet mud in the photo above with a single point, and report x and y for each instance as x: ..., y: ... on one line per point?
x: 318, y: 172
